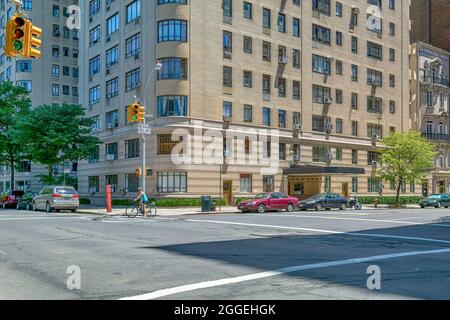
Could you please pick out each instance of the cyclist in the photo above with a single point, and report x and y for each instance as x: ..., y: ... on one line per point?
x: 143, y: 201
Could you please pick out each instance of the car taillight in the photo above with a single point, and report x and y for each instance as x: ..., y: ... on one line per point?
x: 56, y: 195
x: 76, y: 196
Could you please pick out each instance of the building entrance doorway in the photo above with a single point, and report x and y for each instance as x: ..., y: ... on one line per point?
x: 228, y: 192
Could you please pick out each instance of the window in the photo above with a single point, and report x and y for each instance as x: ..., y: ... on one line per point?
x: 282, y: 87
x: 296, y: 59
x: 24, y: 66
x: 172, y: 106
x: 94, y: 95
x: 266, y: 84
x: 132, y: 79
x: 172, y: 30
x: 339, y: 96
x: 354, y: 101
x: 281, y: 119
x: 227, y: 109
x: 354, y: 156
x: 94, y: 36
x: 296, y: 27
x: 374, y: 131
x: 112, y: 56
x: 248, y: 79
x: 246, y: 183
x: 282, y: 23
x: 392, y: 81
x: 55, y: 89
x: 94, y: 66
x: 429, y: 98
x: 354, y: 44
x: 372, y: 158
x: 131, y: 182
x: 112, y: 24
x: 133, y: 46
x: 112, y: 119
x: 94, y: 184
x: 321, y: 94
x: 227, y: 42
x: 321, y: 64
x: 374, y: 104
x: 373, y: 185
x: 322, y: 6
x: 268, y: 183
x: 338, y: 9
x: 266, y: 18
x: 338, y: 38
x: 227, y: 6
x: 55, y: 70
x: 374, y: 78
x: 296, y: 90
x: 166, y: 144
x: 267, y: 51
x: 133, y: 11
x: 392, y: 4
x: 338, y: 125
x: 338, y: 154
x: 248, y: 10
x: 355, y: 128
x: 319, y: 123
x: 355, y: 185
x: 354, y: 73
x: 392, y: 106
x: 111, y: 150
x: 248, y: 44
x: 374, y: 51
x: 266, y: 117
x: 112, y: 181
x: 171, y: 182
x: 112, y: 88
x: 227, y: 76
x: 321, y: 34
x: 174, y: 69
x: 391, y: 29
x: 248, y: 113
x: 321, y: 154
x: 339, y: 67
x: 391, y: 54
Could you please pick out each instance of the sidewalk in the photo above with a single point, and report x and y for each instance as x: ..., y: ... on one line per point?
x: 120, y: 211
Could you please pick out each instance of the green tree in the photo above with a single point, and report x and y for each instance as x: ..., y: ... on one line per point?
x: 53, y: 134
x: 15, y: 104
x: 407, y: 157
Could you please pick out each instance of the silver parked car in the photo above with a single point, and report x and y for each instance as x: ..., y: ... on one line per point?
x: 56, y: 198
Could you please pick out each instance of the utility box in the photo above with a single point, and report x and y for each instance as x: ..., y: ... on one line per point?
x: 208, y: 205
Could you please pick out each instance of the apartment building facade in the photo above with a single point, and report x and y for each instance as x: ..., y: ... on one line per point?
x: 53, y: 79
x: 331, y: 77
x: 430, y: 89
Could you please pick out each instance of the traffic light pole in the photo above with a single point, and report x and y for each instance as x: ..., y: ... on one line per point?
x: 144, y: 171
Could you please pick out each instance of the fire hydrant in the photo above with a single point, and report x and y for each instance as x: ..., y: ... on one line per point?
x: 376, y: 201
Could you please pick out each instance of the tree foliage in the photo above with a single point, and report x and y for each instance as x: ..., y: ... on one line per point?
x: 53, y: 134
x: 407, y: 157
x: 15, y: 104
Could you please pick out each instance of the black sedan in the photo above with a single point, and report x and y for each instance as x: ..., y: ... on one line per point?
x: 323, y: 201
x: 25, y: 202
x: 436, y: 200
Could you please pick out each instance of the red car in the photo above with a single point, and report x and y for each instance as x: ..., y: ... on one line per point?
x: 9, y: 199
x: 270, y: 201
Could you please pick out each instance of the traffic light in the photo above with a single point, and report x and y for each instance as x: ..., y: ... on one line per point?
x: 136, y: 113
x: 21, y: 38
x: 32, y: 43
x: 15, y: 36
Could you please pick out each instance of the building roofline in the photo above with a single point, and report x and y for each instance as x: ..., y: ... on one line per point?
x: 421, y: 44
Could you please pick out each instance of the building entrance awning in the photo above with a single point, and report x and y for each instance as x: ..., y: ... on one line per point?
x: 317, y: 170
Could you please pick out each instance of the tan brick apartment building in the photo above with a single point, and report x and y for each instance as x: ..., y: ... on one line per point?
x: 51, y: 79
x: 331, y: 83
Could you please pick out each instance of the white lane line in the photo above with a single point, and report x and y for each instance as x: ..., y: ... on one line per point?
x: 1, y: 252
x: 375, y: 235
x: 267, y: 274
x: 370, y: 220
x: 39, y: 218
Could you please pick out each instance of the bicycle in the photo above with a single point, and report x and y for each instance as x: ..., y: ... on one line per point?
x: 137, y: 209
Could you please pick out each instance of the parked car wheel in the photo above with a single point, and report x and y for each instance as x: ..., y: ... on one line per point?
x: 18, y: 207
x: 319, y: 207
x: 74, y: 210
x: 439, y: 205
x: 343, y: 207
x: 261, y: 208
x: 48, y: 209
x: 34, y: 206
x: 422, y: 206
x: 29, y: 207
x: 290, y: 207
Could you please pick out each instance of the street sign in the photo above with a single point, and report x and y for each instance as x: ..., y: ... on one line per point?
x: 144, y: 129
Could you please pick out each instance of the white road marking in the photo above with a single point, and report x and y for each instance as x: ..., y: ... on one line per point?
x: 267, y: 274
x: 39, y: 218
x: 1, y: 252
x: 322, y: 231
x: 370, y: 220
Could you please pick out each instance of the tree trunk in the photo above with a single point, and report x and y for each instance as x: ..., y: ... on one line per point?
x: 397, y: 199
x: 12, y: 169
x: 50, y: 173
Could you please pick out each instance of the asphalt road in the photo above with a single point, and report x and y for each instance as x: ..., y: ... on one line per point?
x: 305, y: 255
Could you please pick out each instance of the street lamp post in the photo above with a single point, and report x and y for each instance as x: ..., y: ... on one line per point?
x: 157, y: 67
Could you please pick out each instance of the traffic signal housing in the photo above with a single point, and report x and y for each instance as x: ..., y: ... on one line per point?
x: 21, y: 38
x: 136, y: 113
x: 138, y: 172
x: 15, y: 36
x: 32, y: 43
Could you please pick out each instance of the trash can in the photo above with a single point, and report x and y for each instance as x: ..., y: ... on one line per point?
x: 206, y: 203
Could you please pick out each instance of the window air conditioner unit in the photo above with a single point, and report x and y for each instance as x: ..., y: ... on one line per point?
x: 297, y: 126
x: 355, y: 10
x: 328, y: 127
x: 108, y: 39
x: 108, y: 8
x: 327, y: 100
x: 108, y: 71
x: 110, y: 126
x: 110, y: 157
x: 92, y: 190
x: 227, y: 54
x: 283, y: 60
x: 227, y: 119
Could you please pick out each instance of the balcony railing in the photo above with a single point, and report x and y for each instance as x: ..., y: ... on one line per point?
x: 433, y: 79
x: 437, y: 136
